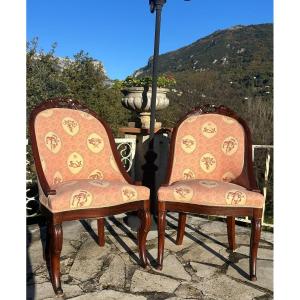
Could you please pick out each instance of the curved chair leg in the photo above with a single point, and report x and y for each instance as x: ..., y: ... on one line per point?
x: 231, y: 233
x: 56, y: 240
x: 161, y: 234
x: 142, y: 234
x: 101, y: 234
x: 255, y: 236
x: 181, y: 226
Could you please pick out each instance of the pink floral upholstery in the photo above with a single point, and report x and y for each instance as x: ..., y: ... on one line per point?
x: 78, y: 162
x: 74, y: 145
x: 210, y: 192
x: 209, y: 154
x: 208, y: 146
x: 88, y: 193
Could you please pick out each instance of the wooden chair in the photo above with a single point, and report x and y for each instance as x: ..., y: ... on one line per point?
x: 211, y: 172
x: 80, y: 175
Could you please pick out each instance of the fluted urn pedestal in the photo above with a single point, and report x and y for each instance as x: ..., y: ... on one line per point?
x: 138, y: 99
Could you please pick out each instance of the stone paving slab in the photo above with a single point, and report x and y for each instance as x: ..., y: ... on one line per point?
x: 45, y: 291
x: 263, y: 253
x: 203, y: 271
x: 170, y: 243
x: 207, y: 253
x: 109, y: 295
x: 72, y: 230
x: 114, y: 276
x: 35, y: 257
x: 263, y: 272
x: 189, y: 291
x: 147, y: 282
x: 201, y: 268
x: 88, y: 261
x: 214, y: 228
x: 227, y: 288
x: 267, y: 236
x: 124, y: 243
x: 174, y: 268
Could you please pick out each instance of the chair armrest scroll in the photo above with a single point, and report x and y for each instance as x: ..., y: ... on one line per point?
x: 45, y: 186
x: 256, y: 190
x: 51, y: 192
x: 164, y: 185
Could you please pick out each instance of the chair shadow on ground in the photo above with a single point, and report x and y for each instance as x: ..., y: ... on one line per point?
x: 132, y: 236
x: 118, y: 238
x: 202, y: 244
x: 151, y: 259
x: 43, y: 233
x: 30, y: 289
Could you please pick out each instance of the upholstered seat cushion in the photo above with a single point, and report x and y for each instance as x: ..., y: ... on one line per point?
x: 87, y: 193
x: 210, y: 192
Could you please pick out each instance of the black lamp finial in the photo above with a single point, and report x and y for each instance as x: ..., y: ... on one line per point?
x: 154, y: 3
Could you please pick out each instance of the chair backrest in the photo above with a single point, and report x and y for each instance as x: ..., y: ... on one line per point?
x: 208, y: 145
x: 72, y: 143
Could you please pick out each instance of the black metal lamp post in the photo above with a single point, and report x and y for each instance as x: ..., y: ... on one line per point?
x: 155, y: 5
x: 149, y: 169
x: 149, y: 174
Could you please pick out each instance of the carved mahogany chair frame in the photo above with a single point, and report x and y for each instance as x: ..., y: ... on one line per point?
x: 246, y: 179
x: 54, y: 237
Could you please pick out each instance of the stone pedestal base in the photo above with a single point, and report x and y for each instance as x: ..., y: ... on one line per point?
x: 161, y: 148
x: 145, y: 121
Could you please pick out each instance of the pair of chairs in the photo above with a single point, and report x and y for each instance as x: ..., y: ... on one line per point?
x: 81, y: 176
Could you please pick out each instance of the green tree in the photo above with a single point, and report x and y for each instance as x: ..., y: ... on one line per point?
x: 82, y: 78
x: 43, y: 75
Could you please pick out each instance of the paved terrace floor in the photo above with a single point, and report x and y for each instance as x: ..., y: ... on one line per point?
x: 201, y: 268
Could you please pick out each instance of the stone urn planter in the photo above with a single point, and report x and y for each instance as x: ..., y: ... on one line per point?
x: 138, y: 99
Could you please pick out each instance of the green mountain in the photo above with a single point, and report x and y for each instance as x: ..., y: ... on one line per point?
x: 233, y: 67
x: 246, y: 47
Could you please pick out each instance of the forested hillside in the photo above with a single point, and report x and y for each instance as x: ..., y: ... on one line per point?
x: 233, y: 67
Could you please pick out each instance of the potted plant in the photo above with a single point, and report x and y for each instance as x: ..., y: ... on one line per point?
x: 138, y: 92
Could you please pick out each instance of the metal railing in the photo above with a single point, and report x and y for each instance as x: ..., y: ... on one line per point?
x: 265, y: 183
x: 126, y: 148
x: 30, y: 199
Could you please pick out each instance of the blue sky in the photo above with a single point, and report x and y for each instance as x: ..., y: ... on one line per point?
x: 121, y: 33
